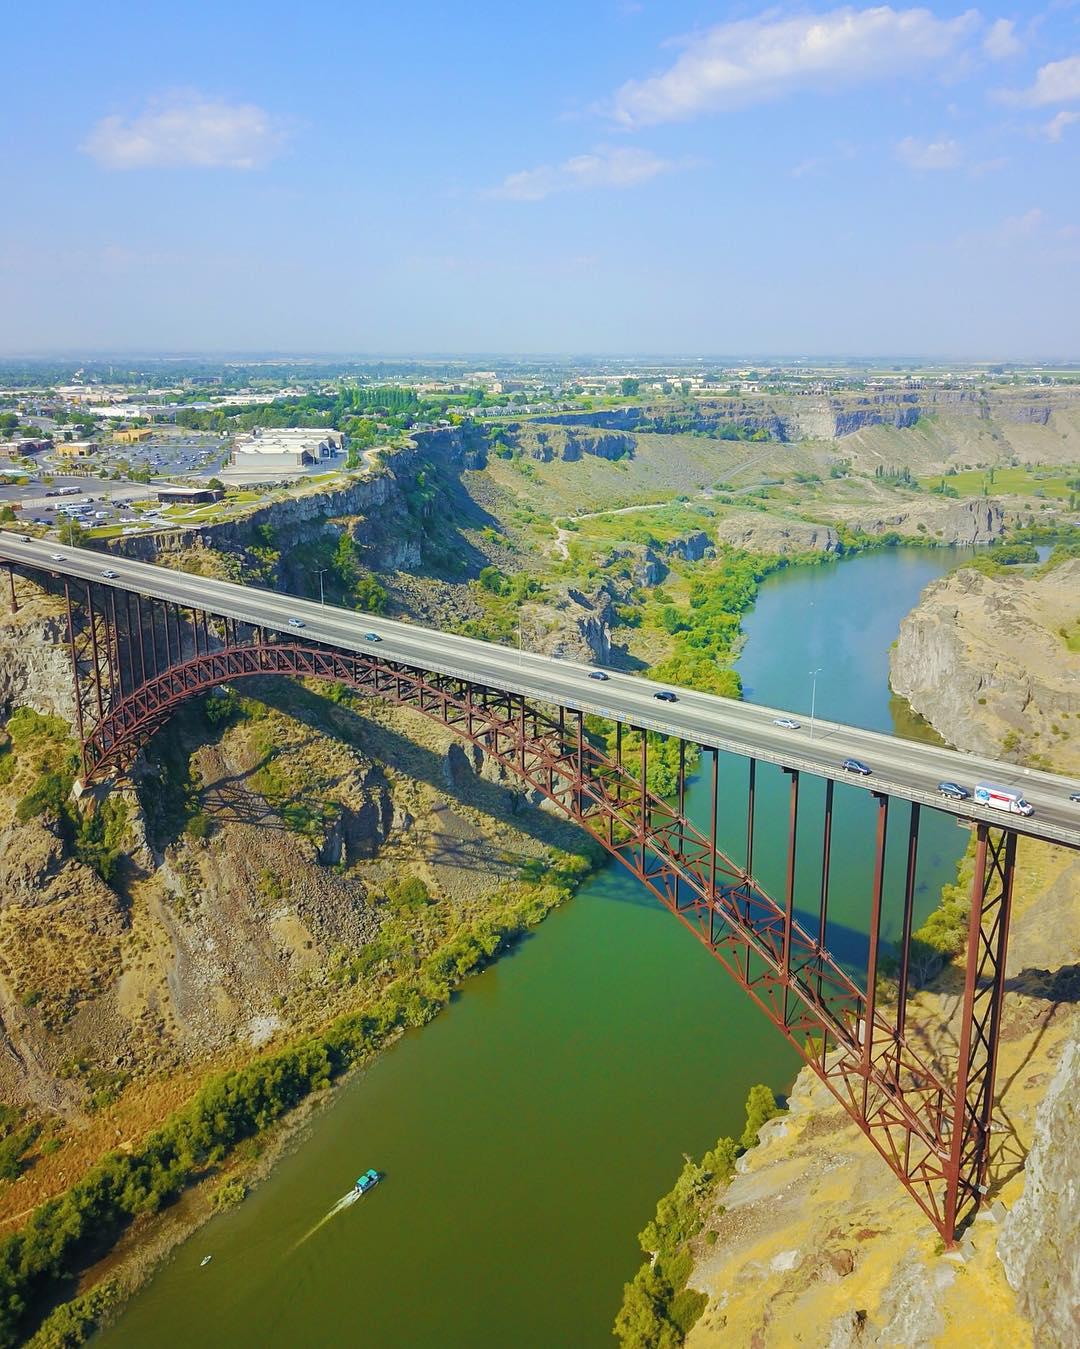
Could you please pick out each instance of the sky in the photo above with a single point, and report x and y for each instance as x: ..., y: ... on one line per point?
x: 573, y: 177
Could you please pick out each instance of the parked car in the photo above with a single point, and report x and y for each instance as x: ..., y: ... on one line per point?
x: 953, y: 791
x: 856, y: 766
x: 597, y: 674
x: 787, y: 723
x: 666, y: 696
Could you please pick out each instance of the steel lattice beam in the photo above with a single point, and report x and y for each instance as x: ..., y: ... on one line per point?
x: 133, y: 666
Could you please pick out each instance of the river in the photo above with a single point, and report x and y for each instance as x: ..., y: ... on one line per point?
x: 526, y: 1134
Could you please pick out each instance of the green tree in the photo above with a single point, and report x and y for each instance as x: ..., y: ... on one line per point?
x: 760, y: 1107
x: 630, y: 386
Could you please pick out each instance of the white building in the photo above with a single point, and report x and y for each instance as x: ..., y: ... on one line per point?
x: 292, y: 447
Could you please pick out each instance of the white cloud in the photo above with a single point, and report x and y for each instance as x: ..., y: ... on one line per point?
x: 940, y: 154
x: 755, y: 60
x: 1001, y: 41
x: 1055, y: 128
x: 1058, y: 82
x: 620, y: 167
x: 1022, y: 226
x: 186, y: 130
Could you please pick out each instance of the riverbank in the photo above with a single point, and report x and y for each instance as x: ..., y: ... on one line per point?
x: 192, y: 1144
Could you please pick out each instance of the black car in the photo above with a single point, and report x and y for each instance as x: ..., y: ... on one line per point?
x: 856, y: 766
x: 597, y: 674
x: 666, y: 696
x: 953, y: 791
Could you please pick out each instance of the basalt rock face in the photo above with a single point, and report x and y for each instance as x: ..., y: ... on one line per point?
x: 1040, y: 1237
x: 550, y: 442
x: 690, y: 547
x: 759, y: 533
x: 975, y: 522
x: 35, y: 670
x: 982, y: 658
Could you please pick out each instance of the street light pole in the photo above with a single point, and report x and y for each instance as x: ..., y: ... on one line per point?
x: 813, y: 697
x: 322, y: 593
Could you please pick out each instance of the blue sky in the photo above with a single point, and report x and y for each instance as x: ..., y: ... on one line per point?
x: 568, y: 177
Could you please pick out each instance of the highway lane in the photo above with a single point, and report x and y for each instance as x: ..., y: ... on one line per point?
x: 908, y: 769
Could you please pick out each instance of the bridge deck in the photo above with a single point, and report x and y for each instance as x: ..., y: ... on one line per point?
x: 902, y: 768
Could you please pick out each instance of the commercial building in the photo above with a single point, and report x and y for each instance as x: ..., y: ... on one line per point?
x: 178, y: 496
x: 26, y: 445
x: 287, y: 448
x: 76, y: 449
x: 132, y: 435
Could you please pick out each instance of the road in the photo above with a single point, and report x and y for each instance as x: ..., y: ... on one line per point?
x: 902, y: 768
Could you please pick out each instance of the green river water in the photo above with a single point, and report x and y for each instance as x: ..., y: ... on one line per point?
x: 526, y: 1134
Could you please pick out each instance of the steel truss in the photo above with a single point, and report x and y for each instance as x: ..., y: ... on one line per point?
x: 136, y: 660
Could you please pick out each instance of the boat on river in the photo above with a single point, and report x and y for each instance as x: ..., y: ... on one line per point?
x: 367, y: 1181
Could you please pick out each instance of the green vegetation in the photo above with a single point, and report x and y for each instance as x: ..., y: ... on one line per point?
x: 67, y: 1234
x: 336, y: 560
x: 93, y: 834
x: 658, y: 1310
x: 708, y: 628
x: 1060, y: 484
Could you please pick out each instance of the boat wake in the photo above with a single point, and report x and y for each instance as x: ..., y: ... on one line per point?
x: 343, y: 1203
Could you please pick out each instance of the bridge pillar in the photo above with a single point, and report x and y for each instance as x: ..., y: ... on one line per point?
x: 980, y: 1026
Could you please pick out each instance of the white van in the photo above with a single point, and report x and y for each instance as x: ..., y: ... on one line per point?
x: 1002, y: 798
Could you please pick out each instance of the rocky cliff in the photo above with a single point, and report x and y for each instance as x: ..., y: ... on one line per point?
x: 972, y: 522
x: 986, y: 660
x: 760, y: 533
x: 1040, y: 1237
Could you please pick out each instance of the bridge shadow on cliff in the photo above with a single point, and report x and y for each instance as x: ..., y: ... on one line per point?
x: 389, y: 748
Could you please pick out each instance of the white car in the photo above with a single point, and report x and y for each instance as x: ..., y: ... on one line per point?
x: 109, y: 574
x: 296, y: 622
x: 787, y: 723
x: 57, y: 557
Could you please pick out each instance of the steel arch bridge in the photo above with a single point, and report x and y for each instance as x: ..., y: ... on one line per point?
x: 136, y: 658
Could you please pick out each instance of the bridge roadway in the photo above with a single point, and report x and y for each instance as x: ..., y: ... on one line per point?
x: 902, y: 768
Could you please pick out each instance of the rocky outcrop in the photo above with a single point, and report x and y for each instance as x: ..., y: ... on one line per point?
x: 690, y: 547
x: 1039, y: 1243
x: 573, y: 625
x: 982, y: 658
x: 35, y: 670
x: 549, y: 442
x: 757, y: 532
x: 945, y: 520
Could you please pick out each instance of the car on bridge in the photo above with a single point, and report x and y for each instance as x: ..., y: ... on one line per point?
x: 856, y: 766
x: 953, y: 791
x: 296, y: 622
x: 788, y: 723
x: 1074, y: 796
x: 109, y: 574
x: 597, y: 674
x: 666, y: 696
